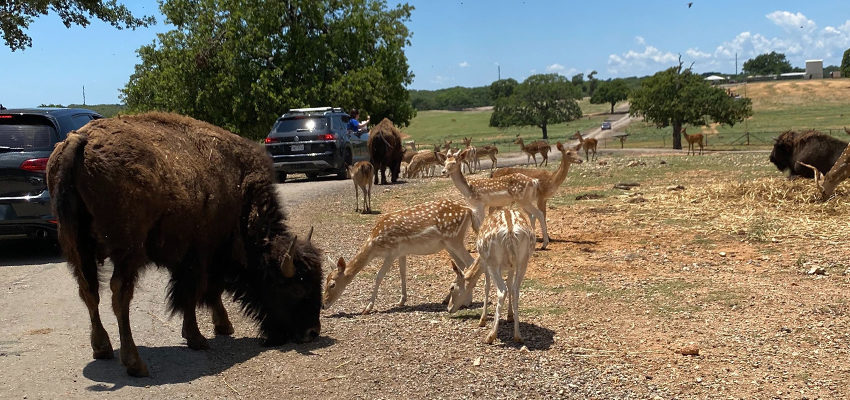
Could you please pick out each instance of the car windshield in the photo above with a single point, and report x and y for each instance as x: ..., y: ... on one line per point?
x: 301, y: 124
x: 25, y: 134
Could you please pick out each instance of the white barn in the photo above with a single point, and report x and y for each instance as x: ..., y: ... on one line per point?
x: 814, y: 69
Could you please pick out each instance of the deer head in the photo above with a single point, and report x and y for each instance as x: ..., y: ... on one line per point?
x: 518, y: 140
x: 576, y: 135
x: 335, y: 284
x: 570, y: 155
x: 467, y: 141
x: 460, y: 292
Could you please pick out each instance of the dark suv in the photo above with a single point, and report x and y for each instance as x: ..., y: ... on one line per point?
x: 27, y: 137
x: 315, y: 141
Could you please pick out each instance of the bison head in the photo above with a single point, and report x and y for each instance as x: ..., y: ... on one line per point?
x: 781, y: 155
x: 289, y: 303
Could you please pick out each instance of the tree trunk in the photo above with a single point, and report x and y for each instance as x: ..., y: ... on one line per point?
x: 677, y: 135
x: 612, y: 108
x: 545, y: 133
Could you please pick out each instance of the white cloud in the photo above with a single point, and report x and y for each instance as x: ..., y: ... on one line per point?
x: 797, y: 44
x: 555, y: 68
x: 792, y: 21
x: 463, y: 64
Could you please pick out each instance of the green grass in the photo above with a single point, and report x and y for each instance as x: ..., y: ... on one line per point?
x: 431, y: 127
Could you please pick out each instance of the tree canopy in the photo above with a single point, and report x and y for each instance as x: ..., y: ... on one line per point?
x: 677, y: 96
x: 845, y: 64
x: 540, y: 100
x: 240, y: 64
x: 611, y: 92
x: 772, y: 63
x: 17, y: 15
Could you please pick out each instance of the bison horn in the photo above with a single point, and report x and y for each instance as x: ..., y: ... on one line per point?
x: 310, y: 235
x: 288, y: 266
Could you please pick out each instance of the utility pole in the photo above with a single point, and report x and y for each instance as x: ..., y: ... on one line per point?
x: 84, y: 94
x: 499, y: 68
x: 736, y: 63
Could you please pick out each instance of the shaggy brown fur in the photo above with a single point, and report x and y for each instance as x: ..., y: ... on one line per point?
x: 192, y: 198
x: 385, y: 150
x: 810, y: 147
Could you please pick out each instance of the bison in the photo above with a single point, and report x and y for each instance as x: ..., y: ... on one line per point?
x: 810, y: 147
x: 194, y: 199
x: 385, y: 150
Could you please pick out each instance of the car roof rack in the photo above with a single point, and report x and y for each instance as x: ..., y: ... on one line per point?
x: 312, y: 110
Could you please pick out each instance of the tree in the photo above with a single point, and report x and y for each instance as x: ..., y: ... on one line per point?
x: 503, y: 88
x: 592, y: 83
x: 540, y: 100
x: 845, y: 64
x: 611, y: 92
x: 677, y: 96
x: 772, y: 63
x: 241, y: 64
x: 17, y: 15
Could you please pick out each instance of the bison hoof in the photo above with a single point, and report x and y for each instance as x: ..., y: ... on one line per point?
x: 103, y: 354
x: 226, y: 329
x: 138, y: 369
x: 197, y: 343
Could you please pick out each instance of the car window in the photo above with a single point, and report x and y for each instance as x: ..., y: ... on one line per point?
x: 301, y: 124
x: 26, y: 133
x: 336, y: 124
x: 79, y: 120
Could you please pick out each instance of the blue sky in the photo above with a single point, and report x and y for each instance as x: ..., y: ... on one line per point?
x: 463, y: 43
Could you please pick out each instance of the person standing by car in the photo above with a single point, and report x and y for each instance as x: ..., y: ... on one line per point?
x: 353, y: 123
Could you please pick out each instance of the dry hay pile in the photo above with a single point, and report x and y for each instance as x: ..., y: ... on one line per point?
x: 764, y: 209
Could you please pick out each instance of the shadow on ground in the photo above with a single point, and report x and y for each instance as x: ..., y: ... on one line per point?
x: 16, y: 251
x: 179, y: 364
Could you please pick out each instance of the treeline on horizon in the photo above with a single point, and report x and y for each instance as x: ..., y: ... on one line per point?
x: 459, y: 98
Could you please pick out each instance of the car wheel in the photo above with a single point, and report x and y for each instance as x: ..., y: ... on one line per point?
x: 343, y: 172
x: 281, y: 177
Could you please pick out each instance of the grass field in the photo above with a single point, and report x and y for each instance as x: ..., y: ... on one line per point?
x: 435, y: 126
x: 777, y: 106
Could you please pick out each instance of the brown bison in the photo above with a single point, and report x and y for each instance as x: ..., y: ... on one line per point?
x: 810, y: 147
x: 385, y: 150
x: 195, y: 199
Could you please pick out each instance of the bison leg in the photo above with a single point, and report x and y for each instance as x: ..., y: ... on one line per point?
x: 394, y: 170
x: 194, y: 339
x: 86, y: 275
x: 383, y: 176
x: 122, y: 293
x: 377, y: 167
x: 221, y: 322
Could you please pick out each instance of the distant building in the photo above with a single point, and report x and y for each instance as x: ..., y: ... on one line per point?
x: 836, y: 74
x: 814, y: 69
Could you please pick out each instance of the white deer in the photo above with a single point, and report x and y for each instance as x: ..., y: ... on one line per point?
x: 422, y: 229
x: 485, y: 193
x: 505, y: 243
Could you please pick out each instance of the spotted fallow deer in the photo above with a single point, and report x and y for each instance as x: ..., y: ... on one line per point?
x: 505, y: 243
x: 532, y: 149
x: 695, y: 138
x: 839, y: 172
x: 549, y: 180
x: 424, y: 162
x: 485, y: 193
x: 361, y: 174
x: 589, y: 145
x: 426, y: 228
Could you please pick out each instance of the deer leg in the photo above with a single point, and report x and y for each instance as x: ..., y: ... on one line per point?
x: 356, y: 198
x: 501, y: 292
x: 483, y: 320
x: 388, y: 262
x: 122, y: 284
x: 402, y: 271
x: 531, y: 209
x: 369, y: 196
x: 86, y: 273
x: 521, y: 266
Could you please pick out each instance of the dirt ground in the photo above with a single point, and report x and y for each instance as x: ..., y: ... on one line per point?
x: 628, y: 284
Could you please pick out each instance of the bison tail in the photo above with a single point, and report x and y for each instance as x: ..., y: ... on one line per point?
x: 68, y: 207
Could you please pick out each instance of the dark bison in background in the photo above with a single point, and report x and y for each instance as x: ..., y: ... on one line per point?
x: 811, y: 147
x: 385, y: 150
x: 192, y: 198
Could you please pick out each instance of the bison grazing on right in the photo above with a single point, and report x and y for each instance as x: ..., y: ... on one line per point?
x: 192, y: 198
x: 810, y: 147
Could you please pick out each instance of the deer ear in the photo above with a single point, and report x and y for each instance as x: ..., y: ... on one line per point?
x: 288, y: 265
x: 560, y: 146
x: 340, y: 264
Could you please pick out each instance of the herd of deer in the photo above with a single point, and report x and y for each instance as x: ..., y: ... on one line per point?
x: 505, y: 237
